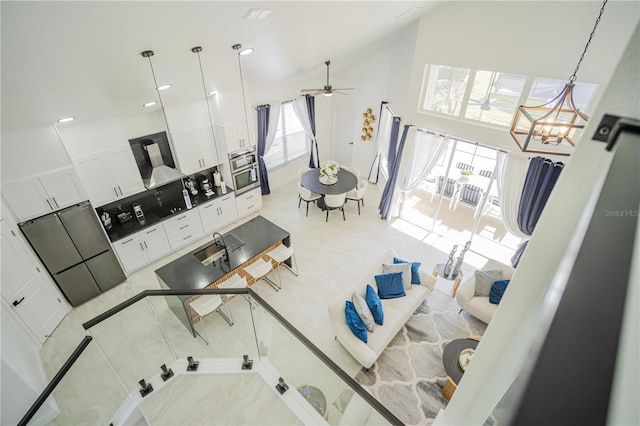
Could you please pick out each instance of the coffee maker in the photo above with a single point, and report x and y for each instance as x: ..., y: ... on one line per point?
x: 206, y: 186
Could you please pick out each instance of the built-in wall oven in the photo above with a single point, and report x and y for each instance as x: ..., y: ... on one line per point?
x: 244, y: 169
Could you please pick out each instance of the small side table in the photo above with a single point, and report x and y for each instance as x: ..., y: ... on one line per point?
x: 438, y: 270
x: 316, y: 398
x: 452, y: 367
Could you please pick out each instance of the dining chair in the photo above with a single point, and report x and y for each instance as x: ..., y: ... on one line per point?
x: 357, y: 194
x: 307, y: 196
x: 485, y: 173
x: 353, y: 170
x: 464, y: 166
x: 335, y: 202
x: 303, y: 170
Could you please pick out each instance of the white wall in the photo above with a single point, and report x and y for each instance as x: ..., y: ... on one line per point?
x: 502, y: 352
x: 532, y: 38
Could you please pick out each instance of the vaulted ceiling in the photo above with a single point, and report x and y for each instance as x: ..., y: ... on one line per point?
x: 83, y: 58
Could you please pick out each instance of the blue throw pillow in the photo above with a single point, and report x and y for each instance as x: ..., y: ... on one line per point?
x: 415, y: 266
x: 354, y: 322
x: 497, y: 290
x: 375, y: 305
x: 390, y: 285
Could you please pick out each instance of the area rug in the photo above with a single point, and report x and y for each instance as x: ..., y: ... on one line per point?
x: 408, y: 377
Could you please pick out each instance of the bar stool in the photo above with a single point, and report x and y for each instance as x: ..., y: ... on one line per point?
x: 203, y: 306
x: 234, y: 281
x: 258, y: 270
x: 279, y: 255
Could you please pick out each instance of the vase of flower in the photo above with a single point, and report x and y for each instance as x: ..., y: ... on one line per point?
x: 328, y: 172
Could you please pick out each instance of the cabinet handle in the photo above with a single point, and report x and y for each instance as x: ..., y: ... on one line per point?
x: 182, y: 217
x: 115, y: 190
x: 183, y: 227
x: 50, y: 206
x: 207, y: 207
x: 153, y: 230
x: 145, y: 245
x: 56, y: 203
x: 186, y: 238
x: 250, y: 207
x: 120, y: 189
x: 141, y: 246
x: 128, y: 241
x: 249, y: 197
x: 17, y: 302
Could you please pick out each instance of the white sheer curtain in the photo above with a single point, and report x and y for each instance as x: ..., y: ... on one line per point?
x: 421, y: 155
x: 300, y: 108
x: 274, y: 118
x: 512, y: 170
x: 382, y: 143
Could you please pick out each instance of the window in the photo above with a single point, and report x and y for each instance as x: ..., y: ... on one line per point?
x: 290, y: 142
x: 491, y: 96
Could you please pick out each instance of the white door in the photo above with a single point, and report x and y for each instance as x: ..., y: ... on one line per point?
x: 155, y: 243
x: 206, y: 147
x: 63, y: 187
x: 343, y: 133
x: 186, y: 153
x: 123, y: 170
x: 26, y: 288
x: 96, y: 179
x: 27, y: 198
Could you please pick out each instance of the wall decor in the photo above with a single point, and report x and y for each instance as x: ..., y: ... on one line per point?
x: 367, y: 129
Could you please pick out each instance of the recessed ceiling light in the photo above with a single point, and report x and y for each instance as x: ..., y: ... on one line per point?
x: 257, y: 14
x: 66, y: 119
x: 148, y: 104
x: 213, y: 92
x: 164, y: 87
x: 247, y: 51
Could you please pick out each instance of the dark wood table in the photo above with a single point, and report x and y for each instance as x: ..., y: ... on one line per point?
x: 346, y: 182
x: 452, y: 366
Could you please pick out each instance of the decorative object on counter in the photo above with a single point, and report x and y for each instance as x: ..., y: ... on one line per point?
x: 328, y: 172
x: 123, y: 216
x: 106, y: 221
x: 449, y: 264
x: 456, y: 269
x: 192, y: 365
x: 465, y: 358
x: 247, y: 364
x: 145, y: 388
x: 191, y: 186
x: 205, y: 184
x: 187, y: 199
x: 217, y: 179
x: 223, y: 187
x: 282, y: 386
x: 137, y: 210
x: 167, y: 373
x: 367, y: 130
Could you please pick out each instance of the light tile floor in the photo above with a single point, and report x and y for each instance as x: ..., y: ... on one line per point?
x: 330, y: 256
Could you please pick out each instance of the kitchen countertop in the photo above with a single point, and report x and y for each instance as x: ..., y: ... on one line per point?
x: 187, y: 273
x: 160, y: 214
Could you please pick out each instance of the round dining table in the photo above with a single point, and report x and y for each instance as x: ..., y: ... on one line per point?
x: 346, y: 182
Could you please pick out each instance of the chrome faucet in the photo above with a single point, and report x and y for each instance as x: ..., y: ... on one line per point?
x: 221, y: 245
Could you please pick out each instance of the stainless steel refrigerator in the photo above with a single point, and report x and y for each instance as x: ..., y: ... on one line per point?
x: 72, y: 245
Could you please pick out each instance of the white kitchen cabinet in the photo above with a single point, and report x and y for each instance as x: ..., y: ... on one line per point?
x: 44, y: 193
x: 142, y: 248
x: 109, y: 175
x: 218, y: 213
x: 237, y: 135
x: 195, y: 149
x: 248, y: 202
x: 183, y: 229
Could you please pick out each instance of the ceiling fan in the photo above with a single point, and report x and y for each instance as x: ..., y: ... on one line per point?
x: 328, y: 90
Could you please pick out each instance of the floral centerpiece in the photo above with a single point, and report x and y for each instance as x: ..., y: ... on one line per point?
x: 328, y: 172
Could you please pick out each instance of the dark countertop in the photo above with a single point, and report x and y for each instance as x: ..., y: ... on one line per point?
x: 187, y: 273
x: 159, y: 214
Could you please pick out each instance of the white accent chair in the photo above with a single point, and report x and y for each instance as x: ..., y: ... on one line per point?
x: 353, y: 170
x: 307, y: 196
x: 357, y: 194
x: 479, y: 306
x: 335, y: 202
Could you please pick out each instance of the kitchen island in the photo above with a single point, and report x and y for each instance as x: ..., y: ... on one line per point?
x: 245, y: 244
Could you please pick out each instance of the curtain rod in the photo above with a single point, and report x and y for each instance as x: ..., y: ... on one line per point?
x: 433, y: 132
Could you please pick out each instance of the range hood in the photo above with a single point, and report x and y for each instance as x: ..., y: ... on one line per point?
x: 160, y: 173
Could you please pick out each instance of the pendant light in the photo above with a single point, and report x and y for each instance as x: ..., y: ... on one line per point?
x: 556, y: 121
x: 241, y: 52
x: 197, y: 51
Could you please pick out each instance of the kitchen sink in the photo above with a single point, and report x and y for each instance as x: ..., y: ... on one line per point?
x: 215, y: 251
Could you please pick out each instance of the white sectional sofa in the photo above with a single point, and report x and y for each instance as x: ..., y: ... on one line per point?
x: 396, y: 312
x: 479, y: 306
